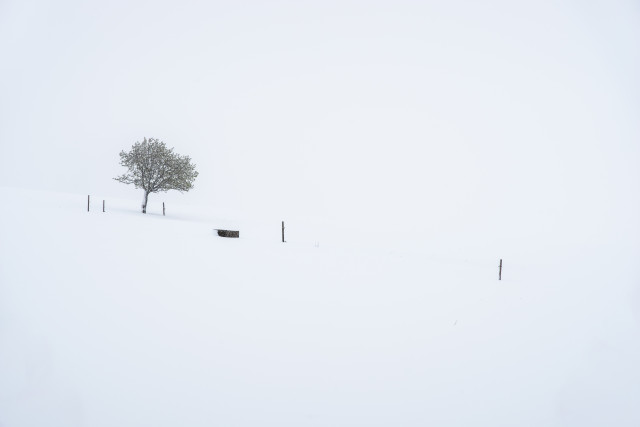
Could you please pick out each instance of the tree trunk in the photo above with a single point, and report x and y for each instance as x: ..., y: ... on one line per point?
x: 144, y: 202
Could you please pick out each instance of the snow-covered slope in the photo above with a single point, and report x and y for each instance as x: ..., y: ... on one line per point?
x: 121, y: 319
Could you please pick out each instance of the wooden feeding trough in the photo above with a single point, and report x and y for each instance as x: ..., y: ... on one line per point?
x: 228, y: 233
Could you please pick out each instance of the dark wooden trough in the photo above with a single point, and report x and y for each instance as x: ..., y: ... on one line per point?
x: 228, y: 233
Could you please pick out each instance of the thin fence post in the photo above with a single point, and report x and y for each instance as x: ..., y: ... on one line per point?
x: 282, y: 231
x: 88, y: 202
x: 102, y: 205
x: 500, y: 271
x: 162, y: 208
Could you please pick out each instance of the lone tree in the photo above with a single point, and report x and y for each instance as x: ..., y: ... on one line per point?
x: 156, y: 168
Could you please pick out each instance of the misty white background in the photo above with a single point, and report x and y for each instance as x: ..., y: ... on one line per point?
x: 509, y: 118
x: 442, y: 135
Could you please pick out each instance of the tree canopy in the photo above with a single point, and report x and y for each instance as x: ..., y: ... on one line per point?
x: 155, y: 168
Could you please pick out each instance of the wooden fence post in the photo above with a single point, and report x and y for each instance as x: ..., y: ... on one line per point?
x: 102, y: 205
x: 500, y: 271
x: 162, y: 208
x: 88, y: 202
x: 282, y: 231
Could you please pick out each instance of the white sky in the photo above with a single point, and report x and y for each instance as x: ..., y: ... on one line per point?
x: 513, y: 116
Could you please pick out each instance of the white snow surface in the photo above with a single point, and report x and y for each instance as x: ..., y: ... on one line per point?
x: 124, y: 319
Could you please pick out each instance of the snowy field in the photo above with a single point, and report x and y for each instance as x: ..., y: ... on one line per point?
x: 121, y: 319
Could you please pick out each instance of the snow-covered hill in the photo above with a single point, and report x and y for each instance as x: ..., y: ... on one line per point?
x: 123, y: 319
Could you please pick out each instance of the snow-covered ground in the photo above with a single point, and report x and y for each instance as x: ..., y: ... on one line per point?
x: 121, y: 319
